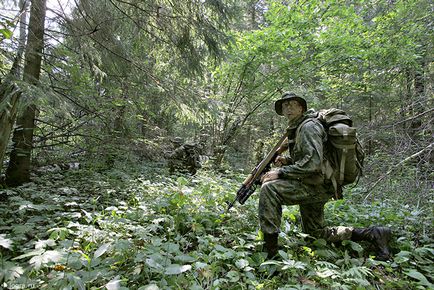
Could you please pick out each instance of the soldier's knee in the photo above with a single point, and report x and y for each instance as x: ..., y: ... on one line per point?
x: 266, y: 186
x: 268, y: 195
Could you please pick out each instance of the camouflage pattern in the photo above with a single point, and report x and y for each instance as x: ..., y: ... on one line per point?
x: 312, y: 219
x: 306, y: 149
x: 184, y: 159
x: 301, y: 183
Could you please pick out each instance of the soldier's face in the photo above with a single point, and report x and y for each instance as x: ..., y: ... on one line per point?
x: 292, y: 110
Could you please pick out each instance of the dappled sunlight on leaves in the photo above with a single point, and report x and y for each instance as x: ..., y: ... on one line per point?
x: 155, y: 232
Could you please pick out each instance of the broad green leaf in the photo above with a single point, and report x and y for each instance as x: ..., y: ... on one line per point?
x: 357, y: 272
x: 114, y: 284
x: 77, y: 282
x: 218, y: 282
x: 9, y: 271
x: 220, y: 248
x: 200, y: 265
x: 35, y: 252
x: 327, y: 254
x: 42, y: 244
x: 149, y: 287
x: 283, y: 254
x: 292, y: 264
x: 242, y: 263
x: 320, y: 243
x: 418, y: 276
x: 153, y: 264
x: 182, y: 181
x: 87, y: 216
x: 6, y: 33
x: 59, y: 233
x: 425, y: 251
x: 355, y: 246
x: 101, y: 250
x: 324, y: 273
x: 324, y: 264
x: 156, y: 241
x: 233, y: 276
x: 171, y: 247
x: 75, y: 262
x: 176, y: 269
x: 4, y: 242
x: 403, y: 256
x: 271, y: 262
x: 21, y: 229
x: 185, y: 258
x: 38, y: 207
x: 47, y: 257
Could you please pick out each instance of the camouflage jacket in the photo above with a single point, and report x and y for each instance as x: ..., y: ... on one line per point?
x: 306, y: 149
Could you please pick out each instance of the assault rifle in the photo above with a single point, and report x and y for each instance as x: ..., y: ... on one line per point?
x: 254, y: 178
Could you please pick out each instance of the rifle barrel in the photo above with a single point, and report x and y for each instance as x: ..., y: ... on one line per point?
x: 249, y: 185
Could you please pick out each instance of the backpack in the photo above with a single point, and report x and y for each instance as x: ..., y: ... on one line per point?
x: 343, y: 153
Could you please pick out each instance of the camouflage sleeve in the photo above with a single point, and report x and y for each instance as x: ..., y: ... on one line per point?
x: 178, y: 153
x: 308, y: 152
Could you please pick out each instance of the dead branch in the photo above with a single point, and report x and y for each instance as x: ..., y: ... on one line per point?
x: 410, y: 119
x: 394, y: 167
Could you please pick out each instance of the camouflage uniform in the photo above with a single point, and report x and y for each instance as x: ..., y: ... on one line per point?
x: 301, y: 183
x: 184, y: 159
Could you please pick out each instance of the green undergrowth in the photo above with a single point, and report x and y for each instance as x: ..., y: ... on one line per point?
x: 144, y: 229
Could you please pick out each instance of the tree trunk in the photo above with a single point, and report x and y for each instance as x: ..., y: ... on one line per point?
x: 9, y: 93
x: 18, y: 171
x: 419, y: 89
x: 406, y: 110
x: 370, y: 146
x: 252, y: 15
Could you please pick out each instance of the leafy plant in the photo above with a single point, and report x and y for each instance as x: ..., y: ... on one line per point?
x: 149, y: 230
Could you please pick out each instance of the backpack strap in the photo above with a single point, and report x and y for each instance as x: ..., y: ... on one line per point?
x: 342, y: 165
x: 344, y: 149
x: 307, y: 120
x: 329, y: 175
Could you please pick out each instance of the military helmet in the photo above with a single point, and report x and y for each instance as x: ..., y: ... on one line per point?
x: 190, y: 145
x: 177, y: 140
x: 289, y: 97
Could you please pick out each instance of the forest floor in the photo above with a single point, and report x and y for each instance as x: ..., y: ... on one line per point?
x: 141, y: 228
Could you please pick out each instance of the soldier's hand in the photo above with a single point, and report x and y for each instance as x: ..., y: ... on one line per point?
x: 282, y: 161
x: 270, y: 175
x: 279, y: 161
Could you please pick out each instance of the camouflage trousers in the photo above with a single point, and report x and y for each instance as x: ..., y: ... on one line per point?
x: 311, y: 200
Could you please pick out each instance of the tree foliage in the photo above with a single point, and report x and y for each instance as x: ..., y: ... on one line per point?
x: 121, y: 78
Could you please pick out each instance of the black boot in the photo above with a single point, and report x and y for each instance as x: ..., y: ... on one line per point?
x: 271, y: 245
x: 378, y: 236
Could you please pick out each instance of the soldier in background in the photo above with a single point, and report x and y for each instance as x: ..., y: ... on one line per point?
x: 184, y: 158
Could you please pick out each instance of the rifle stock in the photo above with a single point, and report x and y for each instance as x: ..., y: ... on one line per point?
x: 249, y: 185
